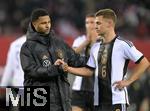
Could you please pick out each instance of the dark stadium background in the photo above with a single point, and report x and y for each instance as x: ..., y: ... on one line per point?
x: 68, y: 21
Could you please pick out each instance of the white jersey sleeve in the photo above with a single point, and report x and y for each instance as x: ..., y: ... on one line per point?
x: 13, y: 74
x: 91, y: 61
x: 8, y: 71
x: 131, y: 52
x: 78, y: 41
x: 75, y: 43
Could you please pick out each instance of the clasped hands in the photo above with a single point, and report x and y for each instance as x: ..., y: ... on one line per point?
x: 61, y: 63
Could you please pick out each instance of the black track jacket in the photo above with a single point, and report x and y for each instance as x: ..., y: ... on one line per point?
x: 38, y: 55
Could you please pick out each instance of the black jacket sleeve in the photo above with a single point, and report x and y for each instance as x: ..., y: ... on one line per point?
x: 34, y: 70
x: 74, y: 59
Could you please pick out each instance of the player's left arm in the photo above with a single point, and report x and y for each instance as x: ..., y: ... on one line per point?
x: 131, y: 53
x: 137, y: 72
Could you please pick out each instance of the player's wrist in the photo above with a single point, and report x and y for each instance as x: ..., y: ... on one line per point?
x: 130, y: 81
x: 69, y: 69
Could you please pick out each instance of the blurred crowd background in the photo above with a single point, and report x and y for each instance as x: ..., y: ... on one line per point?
x: 133, y: 15
x: 68, y: 21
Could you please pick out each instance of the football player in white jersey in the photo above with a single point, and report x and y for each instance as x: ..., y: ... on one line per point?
x: 13, y: 74
x: 109, y: 60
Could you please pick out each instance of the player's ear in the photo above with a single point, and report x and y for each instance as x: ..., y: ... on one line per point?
x: 33, y: 23
x: 110, y: 22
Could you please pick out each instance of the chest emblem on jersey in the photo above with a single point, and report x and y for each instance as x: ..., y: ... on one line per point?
x: 117, y: 109
x: 60, y: 54
x: 44, y: 57
x: 46, y: 61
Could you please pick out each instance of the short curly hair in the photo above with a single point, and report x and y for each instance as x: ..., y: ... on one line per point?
x: 38, y: 13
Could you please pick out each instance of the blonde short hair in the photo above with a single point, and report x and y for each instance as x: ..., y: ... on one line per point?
x: 107, y: 13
